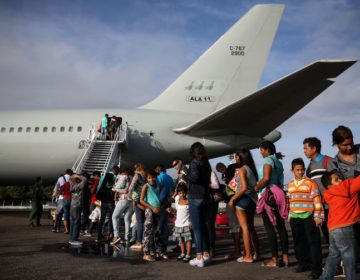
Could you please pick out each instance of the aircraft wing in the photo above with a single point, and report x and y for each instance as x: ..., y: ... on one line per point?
x: 263, y: 111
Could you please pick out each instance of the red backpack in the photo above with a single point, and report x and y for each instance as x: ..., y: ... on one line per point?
x: 65, y: 189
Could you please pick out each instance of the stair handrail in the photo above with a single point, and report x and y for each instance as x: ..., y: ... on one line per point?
x: 90, y: 142
x: 110, y: 156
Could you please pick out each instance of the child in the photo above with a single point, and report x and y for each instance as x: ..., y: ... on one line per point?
x: 122, y: 179
x: 94, y: 217
x: 344, y: 211
x: 182, y: 223
x: 305, y: 216
x: 150, y: 199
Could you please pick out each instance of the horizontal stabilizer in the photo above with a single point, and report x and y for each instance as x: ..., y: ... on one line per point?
x: 263, y: 111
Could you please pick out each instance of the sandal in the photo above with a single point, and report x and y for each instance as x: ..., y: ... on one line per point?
x: 242, y: 260
x: 148, y: 258
x: 269, y: 264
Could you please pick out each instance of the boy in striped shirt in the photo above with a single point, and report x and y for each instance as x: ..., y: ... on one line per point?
x: 306, y: 216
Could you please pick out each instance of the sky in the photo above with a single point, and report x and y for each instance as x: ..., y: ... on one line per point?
x: 122, y: 54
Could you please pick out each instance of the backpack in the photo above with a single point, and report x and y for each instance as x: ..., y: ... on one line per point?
x: 65, y: 188
x: 326, y: 160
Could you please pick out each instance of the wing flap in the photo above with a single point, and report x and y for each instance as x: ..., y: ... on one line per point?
x: 264, y: 110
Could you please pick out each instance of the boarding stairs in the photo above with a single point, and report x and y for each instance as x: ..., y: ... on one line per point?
x: 101, y: 155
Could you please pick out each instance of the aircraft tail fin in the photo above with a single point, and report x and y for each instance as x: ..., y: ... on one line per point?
x: 229, y: 70
x: 266, y: 109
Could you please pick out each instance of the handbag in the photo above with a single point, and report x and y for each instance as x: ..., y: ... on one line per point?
x: 232, y: 186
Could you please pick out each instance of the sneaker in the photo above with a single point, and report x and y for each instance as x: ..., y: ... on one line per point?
x: 75, y: 243
x: 116, y: 240
x: 136, y: 246
x: 197, y: 262
x: 179, y: 258
x: 186, y: 258
x: 87, y: 235
x: 164, y: 256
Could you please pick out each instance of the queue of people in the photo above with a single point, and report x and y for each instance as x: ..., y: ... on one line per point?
x: 322, y: 198
x: 108, y: 126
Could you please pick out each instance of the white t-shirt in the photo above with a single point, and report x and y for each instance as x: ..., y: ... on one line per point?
x: 182, y: 214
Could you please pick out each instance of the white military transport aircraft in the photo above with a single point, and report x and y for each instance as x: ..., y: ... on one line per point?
x: 215, y: 101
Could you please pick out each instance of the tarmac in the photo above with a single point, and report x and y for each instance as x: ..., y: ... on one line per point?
x: 38, y: 253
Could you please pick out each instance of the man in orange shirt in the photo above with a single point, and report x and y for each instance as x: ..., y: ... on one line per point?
x: 344, y: 211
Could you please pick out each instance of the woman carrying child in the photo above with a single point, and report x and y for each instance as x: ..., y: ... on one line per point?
x: 123, y: 204
x: 182, y: 230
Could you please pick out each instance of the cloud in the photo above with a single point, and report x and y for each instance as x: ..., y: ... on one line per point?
x: 70, y: 55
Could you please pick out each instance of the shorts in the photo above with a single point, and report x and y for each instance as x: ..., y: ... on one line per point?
x: 245, y: 203
x: 183, y: 233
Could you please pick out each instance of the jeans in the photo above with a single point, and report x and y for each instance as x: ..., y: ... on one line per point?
x: 212, y: 211
x: 106, y: 206
x: 122, y: 206
x: 140, y: 218
x: 342, y: 246
x: 66, y: 208
x: 75, y: 214
x: 104, y: 133
x: 307, y: 243
x: 198, y: 216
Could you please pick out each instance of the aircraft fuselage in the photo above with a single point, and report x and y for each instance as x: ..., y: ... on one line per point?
x: 49, y: 151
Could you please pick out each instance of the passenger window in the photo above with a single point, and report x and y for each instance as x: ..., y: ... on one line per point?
x: 70, y: 128
x: 28, y: 129
x: 53, y: 129
x: 19, y: 129
x: 62, y: 128
x: 45, y: 129
x: 3, y: 129
x: 11, y: 130
x: 79, y: 128
x: 37, y: 129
